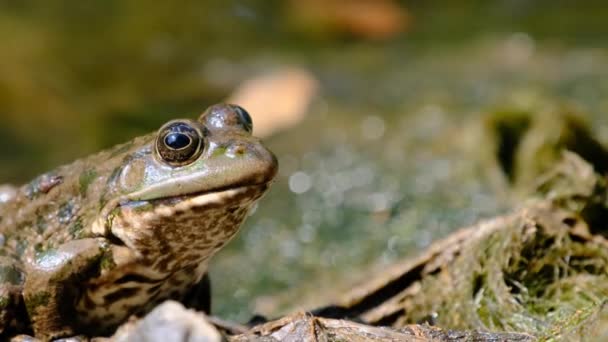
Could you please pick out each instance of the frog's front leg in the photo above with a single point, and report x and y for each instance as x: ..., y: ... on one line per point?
x: 52, y: 285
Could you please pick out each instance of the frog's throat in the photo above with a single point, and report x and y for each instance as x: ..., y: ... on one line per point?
x: 102, y: 226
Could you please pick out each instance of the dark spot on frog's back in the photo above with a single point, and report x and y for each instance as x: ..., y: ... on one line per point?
x: 163, y: 264
x: 66, y: 212
x: 41, y: 224
x: 11, y: 275
x: 21, y: 247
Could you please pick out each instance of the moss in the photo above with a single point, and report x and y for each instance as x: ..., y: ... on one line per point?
x: 549, y: 282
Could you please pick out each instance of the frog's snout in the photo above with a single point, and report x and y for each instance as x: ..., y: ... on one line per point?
x: 264, y: 162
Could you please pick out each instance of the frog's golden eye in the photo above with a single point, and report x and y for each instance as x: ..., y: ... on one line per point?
x: 178, y: 143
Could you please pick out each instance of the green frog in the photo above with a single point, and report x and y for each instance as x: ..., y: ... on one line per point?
x: 91, y: 243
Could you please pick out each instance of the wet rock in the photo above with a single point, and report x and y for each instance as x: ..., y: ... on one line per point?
x: 170, y: 321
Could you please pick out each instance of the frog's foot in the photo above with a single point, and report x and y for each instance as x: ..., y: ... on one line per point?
x: 50, y: 289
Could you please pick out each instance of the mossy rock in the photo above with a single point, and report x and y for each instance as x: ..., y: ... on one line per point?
x: 541, y: 270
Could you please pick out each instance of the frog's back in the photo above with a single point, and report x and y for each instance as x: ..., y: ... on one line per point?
x: 55, y: 207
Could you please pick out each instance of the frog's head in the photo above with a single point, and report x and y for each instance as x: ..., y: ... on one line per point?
x: 182, y: 193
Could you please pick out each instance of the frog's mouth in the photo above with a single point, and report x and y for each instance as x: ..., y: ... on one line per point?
x: 216, y: 197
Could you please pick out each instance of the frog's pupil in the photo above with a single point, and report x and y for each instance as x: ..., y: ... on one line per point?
x: 177, y: 140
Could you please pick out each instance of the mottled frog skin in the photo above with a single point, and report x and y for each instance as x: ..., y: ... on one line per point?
x: 88, y: 244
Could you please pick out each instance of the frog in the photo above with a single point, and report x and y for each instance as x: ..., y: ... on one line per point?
x: 110, y: 236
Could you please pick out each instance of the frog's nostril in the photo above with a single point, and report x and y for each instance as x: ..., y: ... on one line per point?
x: 239, y: 150
x: 236, y: 150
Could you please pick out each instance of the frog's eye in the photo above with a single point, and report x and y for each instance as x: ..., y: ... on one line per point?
x: 244, y: 117
x: 178, y: 143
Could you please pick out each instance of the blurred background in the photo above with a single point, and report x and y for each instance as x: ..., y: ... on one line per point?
x: 381, y: 113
